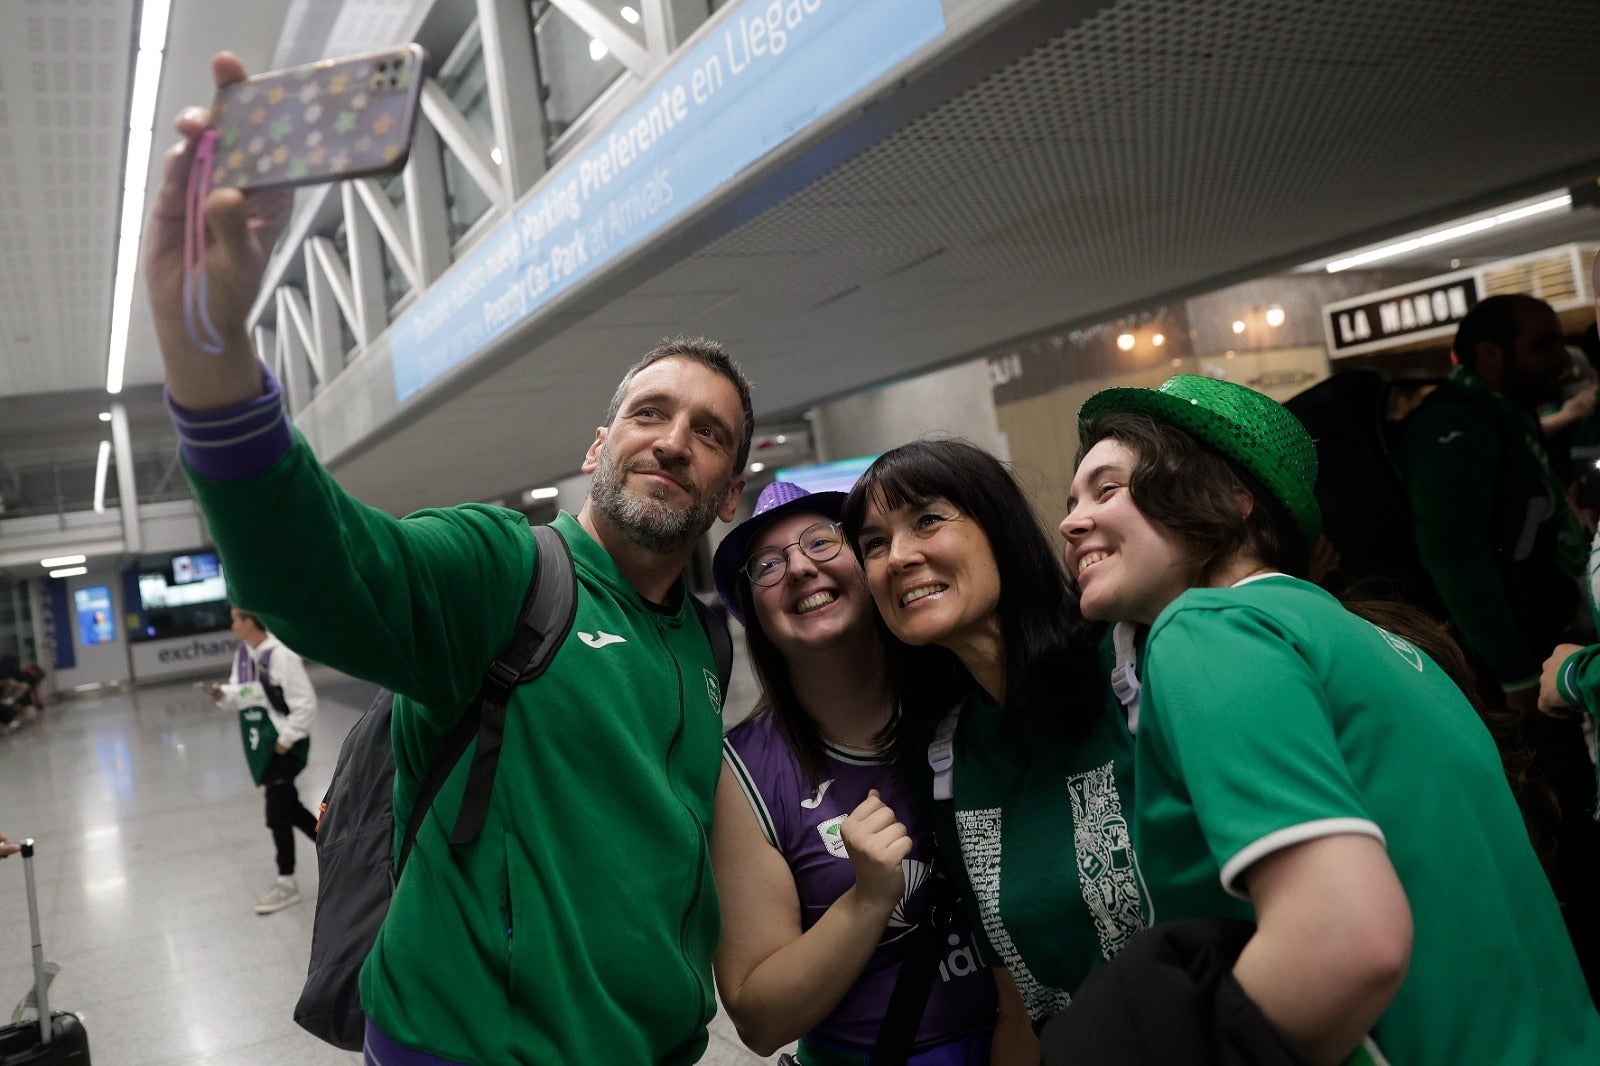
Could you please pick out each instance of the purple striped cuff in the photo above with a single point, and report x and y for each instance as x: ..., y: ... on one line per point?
x: 235, y: 443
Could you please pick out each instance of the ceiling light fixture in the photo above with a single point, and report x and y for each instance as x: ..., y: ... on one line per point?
x: 100, y: 477
x: 105, y: 416
x: 1238, y: 326
x: 597, y: 49
x: 73, y: 571
x: 1159, y: 339
x: 1275, y: 316
x: 63, y: 560
x: 1452, y: 232
x: 547, y: 493
x: 756, y: 468
x: 630, y: 15
x: 141, y: 131
x: 1125, y: 342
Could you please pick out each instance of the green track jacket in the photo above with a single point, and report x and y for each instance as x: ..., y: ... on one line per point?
x: 579, y: 927
x: 1492, y: 524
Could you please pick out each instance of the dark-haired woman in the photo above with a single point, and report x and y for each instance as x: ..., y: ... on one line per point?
x: 1302, y: 768
x: 821, y: 863
x: 1006, y: 706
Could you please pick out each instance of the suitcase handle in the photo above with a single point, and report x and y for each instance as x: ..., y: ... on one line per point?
x: 40, y: 985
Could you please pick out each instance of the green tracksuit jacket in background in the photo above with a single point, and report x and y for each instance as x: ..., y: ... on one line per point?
x: 579, y: 927
x: 1492, y: 524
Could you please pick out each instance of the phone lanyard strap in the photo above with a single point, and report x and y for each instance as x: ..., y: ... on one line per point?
x: 196, y: 306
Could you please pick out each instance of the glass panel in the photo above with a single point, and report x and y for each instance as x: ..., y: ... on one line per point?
x: 16, y: 629
x: 347, y: 333
x: 468, y: 89
x: 395, y: 284
x: 62, y: 484
x: 575, y: 68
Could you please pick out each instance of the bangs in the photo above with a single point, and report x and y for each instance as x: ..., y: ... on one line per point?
x: 904, y: 477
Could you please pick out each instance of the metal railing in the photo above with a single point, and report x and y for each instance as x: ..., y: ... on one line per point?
x: 520, y: 85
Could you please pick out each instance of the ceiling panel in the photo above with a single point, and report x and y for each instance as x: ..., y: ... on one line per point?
x: 1156, y: 148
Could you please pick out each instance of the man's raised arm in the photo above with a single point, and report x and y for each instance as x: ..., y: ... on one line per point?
x: 241, y: 231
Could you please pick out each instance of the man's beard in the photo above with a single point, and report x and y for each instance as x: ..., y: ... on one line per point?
x: 648, y: 520
x: 1527, y: 391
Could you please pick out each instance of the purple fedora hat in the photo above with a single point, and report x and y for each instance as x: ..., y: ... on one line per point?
x: 776, y: 500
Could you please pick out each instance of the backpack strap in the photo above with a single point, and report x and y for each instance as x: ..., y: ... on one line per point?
x: 909, y: 999
x: 554, y: 585
x: 274, y: 691
x: 546, y: 620
x: 716, y: 627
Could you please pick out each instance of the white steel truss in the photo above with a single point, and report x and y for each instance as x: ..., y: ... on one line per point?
x: 321, y: 292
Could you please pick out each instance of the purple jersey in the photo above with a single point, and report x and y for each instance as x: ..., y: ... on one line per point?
x: 803, y: 823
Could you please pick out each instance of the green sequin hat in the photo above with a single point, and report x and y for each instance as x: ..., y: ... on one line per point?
x: 1254, y: 431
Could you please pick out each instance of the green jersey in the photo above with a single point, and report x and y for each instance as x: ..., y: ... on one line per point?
x: 1272, y: 716
x: 1047, y: 912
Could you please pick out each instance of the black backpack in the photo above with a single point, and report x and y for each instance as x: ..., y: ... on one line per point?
x: 355, y: 837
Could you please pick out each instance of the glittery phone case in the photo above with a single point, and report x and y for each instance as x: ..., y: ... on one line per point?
x: 326, y: 121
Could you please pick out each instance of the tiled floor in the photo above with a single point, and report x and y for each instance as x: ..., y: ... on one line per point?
x: 151, y: 854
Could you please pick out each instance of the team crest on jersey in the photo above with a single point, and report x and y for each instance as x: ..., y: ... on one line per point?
x: 713, y: 691
x: 1108, y: 871
x: 832, y: 839
x: 1402, y: 648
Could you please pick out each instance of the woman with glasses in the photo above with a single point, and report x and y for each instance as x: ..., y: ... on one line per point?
x: 821, y: 863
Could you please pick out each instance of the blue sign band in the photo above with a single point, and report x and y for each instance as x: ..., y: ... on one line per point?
x: 771, y: 69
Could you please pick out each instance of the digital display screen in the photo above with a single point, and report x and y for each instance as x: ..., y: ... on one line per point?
x: 198, y: 567
x: 839, y: 476
x: 95, y: 623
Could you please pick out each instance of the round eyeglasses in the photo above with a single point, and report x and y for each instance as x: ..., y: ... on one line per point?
x: 820, y: 542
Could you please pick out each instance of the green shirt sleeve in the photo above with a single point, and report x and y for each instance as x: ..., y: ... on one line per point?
x: 420, y: 605
x: 1579, y: 679
x: 1450, y: 453
x: 1238, y: 726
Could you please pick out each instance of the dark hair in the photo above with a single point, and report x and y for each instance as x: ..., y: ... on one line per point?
x: 1188, y: 487
x: 796, y: 727
x: 1493, y: 320
x: 253, y: 619
x: 1052, y: 678
x: 1538, y: 804
x: 707, y: 353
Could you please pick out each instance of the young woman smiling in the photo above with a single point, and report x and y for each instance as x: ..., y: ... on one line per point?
x: 1302, y: 768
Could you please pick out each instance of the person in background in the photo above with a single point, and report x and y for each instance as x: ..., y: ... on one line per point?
x: 1008, y: 721
x: 277, y: 706
x: 1569, y: 689
x: 1490, y: 515
x: 7, y: 847
x: 822, y: 862
x: 1302, y: 768
x: 1506, y: 550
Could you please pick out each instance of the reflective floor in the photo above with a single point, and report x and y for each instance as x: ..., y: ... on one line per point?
x: 151, y: 854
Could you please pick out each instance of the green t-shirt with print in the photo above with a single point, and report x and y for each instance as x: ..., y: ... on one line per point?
x: 1047, y: 912
x: 1272, y: 716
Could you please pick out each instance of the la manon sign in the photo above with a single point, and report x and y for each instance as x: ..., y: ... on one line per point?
x: 1378, y: 320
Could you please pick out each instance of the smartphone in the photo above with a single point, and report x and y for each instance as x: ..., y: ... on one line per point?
x: 326, y: 121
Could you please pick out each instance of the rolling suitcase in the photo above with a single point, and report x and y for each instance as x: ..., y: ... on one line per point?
x: 53, y: 1039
